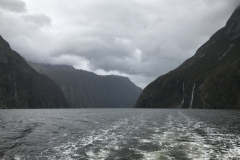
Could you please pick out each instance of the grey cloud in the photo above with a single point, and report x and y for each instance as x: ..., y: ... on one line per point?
x: 165, y: 38
x: 140, y: 39
x: 39, y: 19
x: 95, y: 47
x: 13, y: 5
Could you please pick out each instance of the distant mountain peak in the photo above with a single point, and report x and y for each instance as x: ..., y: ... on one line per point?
x: 233, y: 25
x: 86, y: 89
x: 42, y: 67
x: 58, y: 67
x: 3, y: 43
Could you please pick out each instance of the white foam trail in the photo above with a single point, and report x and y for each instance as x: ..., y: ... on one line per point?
x: 99, y: 144
x: 219, y: 145
x: 179, y: 134
x: 192, y: 96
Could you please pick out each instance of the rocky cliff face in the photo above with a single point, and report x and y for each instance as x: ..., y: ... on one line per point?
x: 87, y: 90
x: 23, y: 87
x: 209, y: 79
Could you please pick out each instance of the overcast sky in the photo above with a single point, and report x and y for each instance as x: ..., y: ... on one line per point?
x: 140, y: 39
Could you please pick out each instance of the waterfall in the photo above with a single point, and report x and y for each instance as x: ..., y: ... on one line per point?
x: 183, y: 97
x: 192, y: 96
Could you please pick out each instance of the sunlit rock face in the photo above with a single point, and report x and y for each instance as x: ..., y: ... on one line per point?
x: 23, y: 87
x: 209, y: 79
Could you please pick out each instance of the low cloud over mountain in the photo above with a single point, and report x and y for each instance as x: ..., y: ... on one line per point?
x: 139, y: 39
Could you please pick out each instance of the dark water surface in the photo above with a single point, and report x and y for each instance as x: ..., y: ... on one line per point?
x: 156, y: 134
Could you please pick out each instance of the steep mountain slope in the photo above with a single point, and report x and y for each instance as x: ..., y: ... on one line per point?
x: 87, y: 90
x: 23, y: 87
x: 209, y: 79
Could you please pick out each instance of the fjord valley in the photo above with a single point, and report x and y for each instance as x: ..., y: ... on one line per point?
x: 209, y: 79
x: 64, y: 103
x: 23, y: 87
x: 85, y: 89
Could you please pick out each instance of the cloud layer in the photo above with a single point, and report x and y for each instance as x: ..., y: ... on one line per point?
x: 141, y: 39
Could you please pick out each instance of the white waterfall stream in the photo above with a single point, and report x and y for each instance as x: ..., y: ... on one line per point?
x: 192, y: 96
x: 180, y: 106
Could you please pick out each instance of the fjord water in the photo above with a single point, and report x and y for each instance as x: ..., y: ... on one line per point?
x: 154, y: 134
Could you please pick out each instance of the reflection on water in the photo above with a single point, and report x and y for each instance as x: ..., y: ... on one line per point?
x: 109, y: 134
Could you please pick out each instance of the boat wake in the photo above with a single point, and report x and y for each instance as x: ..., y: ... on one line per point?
x: 180, y: 137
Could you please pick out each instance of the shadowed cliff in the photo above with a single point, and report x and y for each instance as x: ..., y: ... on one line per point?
x: 85, y: 89
x: 23, y: 87
x: 209, y: 79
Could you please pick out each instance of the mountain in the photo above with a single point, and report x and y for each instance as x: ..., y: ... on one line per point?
x: 87, y: 90
x: 23, y: 87
x: 209, y: 79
